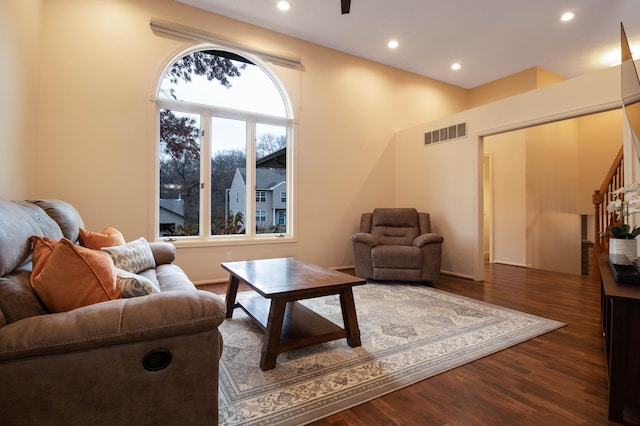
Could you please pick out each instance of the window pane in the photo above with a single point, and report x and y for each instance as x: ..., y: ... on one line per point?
x: 236, y: 83
x: 179, y: 173
x: 212, y: 84
x: 271, y: 178
x: 228, y: 176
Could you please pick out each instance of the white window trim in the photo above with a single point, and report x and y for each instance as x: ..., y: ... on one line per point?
x: 207, y: 111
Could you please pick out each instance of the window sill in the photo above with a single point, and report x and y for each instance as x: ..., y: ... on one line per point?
x: 186, y: 242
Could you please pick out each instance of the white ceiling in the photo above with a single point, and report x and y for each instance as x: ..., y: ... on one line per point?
x: 490, y: 38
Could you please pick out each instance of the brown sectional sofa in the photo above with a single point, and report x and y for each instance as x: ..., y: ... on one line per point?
x: 128, y: 361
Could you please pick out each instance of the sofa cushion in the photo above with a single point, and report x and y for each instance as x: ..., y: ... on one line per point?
x: 400, y: 217
x: 395, y: 226
x: 16, y: 228
x: 134, y: 285
x: 67, y: 276
x: 135, y: 256
x: 17, y: 299
x: 109, y: 237
x: 65, y: 215
x: 47, y: 225
x: 171, y: 277
x: 393, y: 274
x: 397, y: 257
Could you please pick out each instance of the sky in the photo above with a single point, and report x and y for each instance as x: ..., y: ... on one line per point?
x: 253, y: 91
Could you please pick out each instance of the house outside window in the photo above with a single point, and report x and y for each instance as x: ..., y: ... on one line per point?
x: 213, y: 127
x: 268, y: 182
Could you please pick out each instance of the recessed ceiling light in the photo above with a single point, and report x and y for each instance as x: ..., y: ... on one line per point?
x: 284, y: 5
x: 393, y: 44
x: 567, y: 16
x: 456, y: 66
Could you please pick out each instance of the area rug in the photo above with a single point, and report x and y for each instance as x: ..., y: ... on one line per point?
x: 408, y: 332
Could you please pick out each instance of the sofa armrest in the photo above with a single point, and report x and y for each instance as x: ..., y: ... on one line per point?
x: 424, y: 239
x: 114, y: 322
x: 363, y: 237
x: 163, y: 252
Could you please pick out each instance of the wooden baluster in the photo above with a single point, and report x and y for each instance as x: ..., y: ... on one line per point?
x: 603, y: 219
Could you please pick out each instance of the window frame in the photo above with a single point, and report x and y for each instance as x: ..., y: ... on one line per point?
x: 207, y: 112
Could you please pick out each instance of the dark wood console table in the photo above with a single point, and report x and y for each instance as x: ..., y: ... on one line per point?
x: 621, y: 332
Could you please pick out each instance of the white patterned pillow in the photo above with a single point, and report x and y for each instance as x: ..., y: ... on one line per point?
x: 134, y: 257
x: 134, y: 285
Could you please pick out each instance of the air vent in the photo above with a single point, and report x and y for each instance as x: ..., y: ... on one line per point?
x: 446, y: 133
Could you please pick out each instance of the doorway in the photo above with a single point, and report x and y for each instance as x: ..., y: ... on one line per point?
x: 538, y: 186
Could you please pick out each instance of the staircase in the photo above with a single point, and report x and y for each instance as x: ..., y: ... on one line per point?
x: 601, y: 198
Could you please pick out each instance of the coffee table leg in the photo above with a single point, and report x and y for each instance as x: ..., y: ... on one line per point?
x: 349, y: 317
x: 271, y: 340
x: 232, y: 292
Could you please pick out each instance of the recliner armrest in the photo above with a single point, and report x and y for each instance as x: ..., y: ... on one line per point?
x: 362, y: 237
x: 114, y: 322
x: 424, y: 239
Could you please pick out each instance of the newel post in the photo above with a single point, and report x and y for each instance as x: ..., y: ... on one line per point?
x: 597, y: 246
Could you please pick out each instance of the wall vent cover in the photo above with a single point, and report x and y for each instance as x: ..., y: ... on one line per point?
x: 446, y: 133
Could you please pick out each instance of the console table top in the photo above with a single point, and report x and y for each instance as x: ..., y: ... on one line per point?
x: 614, y: 289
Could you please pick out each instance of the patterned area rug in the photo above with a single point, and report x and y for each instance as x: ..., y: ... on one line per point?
x: 409, y: 333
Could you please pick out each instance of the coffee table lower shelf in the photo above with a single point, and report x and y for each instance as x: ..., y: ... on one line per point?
x: 301, y: 327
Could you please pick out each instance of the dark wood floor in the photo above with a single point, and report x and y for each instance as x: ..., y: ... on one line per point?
x: 555, y: 379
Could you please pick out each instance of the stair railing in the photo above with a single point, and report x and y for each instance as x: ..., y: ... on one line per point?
x: 601, y: 199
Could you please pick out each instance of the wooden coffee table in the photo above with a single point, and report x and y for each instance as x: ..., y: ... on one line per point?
x: 287, y: 324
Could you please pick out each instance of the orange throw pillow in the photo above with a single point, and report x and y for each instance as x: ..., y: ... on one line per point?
x: 109, y: 237
x: 66, y: 276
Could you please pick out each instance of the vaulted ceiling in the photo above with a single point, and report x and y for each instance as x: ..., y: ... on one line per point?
x: 490, y: 39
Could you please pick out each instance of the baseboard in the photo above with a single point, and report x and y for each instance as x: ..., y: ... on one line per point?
x: 521, y: 265
x: 456, y: 274
x: 342, y: 268
x: 207, y: 282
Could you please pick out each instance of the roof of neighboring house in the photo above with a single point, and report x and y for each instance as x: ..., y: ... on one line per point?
x: 276, y: 160
x: 173, y: 205
x: 266, y: 178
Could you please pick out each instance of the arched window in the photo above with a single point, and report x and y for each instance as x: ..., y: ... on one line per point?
x: 224, y: 130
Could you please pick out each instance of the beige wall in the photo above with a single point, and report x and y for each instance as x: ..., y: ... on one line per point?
x: 553, y: 224
x: 99, y: 64
x: 523, y: 81
x: 19, y: 48
x: 450, y: 173
x: 507, y: 230
x: 600, y: 140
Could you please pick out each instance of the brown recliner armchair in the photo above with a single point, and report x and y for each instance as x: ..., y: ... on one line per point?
x: 397, y: 244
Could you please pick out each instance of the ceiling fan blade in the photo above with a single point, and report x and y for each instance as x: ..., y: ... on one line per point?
x: 346, y: 6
